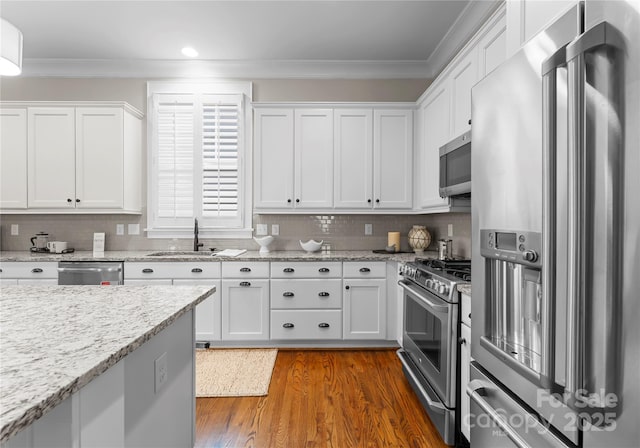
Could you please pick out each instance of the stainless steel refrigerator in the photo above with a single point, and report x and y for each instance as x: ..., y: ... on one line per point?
x: 556, y: 237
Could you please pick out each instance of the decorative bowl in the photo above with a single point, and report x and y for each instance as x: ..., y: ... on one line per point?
x: 264, y: 243
x: 311, y: 245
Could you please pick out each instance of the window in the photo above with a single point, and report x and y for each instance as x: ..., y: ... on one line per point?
x: 198, y: 136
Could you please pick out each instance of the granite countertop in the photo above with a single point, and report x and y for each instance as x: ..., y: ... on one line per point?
x: 465, y: 289
x: 56, y: 339
x: 294, y: 255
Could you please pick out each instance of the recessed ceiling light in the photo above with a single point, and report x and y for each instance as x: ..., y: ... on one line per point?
x: 190, y: 52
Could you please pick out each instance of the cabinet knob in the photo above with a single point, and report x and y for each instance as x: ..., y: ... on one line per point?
x: 77, y: 200
x: 323, y: 325
x: 347, y: 287
x: 462, y: 341
x: 245, y: 269
x: 289, y: 201
x: 0, y: 269
x: 469, y: 315
x: 297, y: 200
x: 287, y: 294
x: 36, y: 271
x: 245, y: 284
x: 377, y: 201
x: 469, y: 120
x: 288, y: 270
x: 369, y: 201
x: 323, y: 270
x: 288, y: 325
x: 364, y: 270
x: 147, y: 271
x: 196, y: 270
x: 69, y: 200
x: 324, y: 294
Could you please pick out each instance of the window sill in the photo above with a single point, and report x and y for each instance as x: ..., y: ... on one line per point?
x: 203, y: 233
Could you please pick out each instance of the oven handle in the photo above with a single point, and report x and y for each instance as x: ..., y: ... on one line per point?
x: 433, y: 404
x: 425, y: 300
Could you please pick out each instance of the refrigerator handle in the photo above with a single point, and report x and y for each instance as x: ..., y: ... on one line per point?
x: 549, y: 149
x: 591, y: 367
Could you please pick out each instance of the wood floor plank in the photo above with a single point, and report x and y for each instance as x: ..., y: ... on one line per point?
x: 322, y: 399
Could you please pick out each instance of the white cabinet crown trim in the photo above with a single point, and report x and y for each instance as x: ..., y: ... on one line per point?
x: 117, y: 104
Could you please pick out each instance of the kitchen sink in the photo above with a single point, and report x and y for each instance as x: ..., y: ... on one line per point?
x: 174, y: 253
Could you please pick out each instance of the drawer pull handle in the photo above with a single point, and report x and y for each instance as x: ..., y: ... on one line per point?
x: 196, y: 270
x: 36, y: 271
x: 363, y: 270
x: 288, y: 270
x: 323, y: 325
x: 147, y: 271
x: 288, y: 325
x: 245, y: 269
x: 324, y: 270
x: 323, y: 294
x: 287, y: 294
x: 245, y: 284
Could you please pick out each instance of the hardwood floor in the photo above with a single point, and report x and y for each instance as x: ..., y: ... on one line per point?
x: 322, y: 398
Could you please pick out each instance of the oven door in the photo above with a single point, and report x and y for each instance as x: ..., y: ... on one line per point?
x: 430, y: 335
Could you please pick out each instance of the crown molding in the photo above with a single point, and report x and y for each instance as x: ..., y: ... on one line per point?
x: 103, y: 68
x: 470, y: 20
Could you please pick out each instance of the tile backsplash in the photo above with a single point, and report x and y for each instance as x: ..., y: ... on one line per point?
x: 339, y: 232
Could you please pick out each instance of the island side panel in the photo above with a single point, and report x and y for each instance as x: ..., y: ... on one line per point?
x: 164, y: 418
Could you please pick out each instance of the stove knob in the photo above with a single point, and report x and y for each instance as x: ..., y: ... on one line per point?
x: 428, y: 283
x: 443, y: 289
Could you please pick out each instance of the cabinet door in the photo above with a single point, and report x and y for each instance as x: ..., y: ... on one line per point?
x: 273, y: 166
x: 313, y: 158
x: 393, y: 159
x: 435, y: 133
x: 245, y: 309
x: 462, y: 79
x: 364, y: 309
x: 353, y: 159
x: 492, y: 47
x: 13, y: 158
x: 99, y: 158
x: 208, y: 322
x: 51, y: 145
x: 465, y: 361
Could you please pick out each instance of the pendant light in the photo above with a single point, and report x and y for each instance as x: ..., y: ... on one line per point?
x: 11, y: 50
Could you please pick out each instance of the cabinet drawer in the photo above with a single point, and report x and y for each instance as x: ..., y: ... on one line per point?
x: 242, y: 269
x: 306, y: 293
x: 34, y: 270
x: 306, y: 324
x: 465, y: 309
x: 306, y: 269
x: 365, y: 269
x: 171, y: 269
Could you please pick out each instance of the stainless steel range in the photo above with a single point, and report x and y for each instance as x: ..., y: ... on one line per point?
x: 429, y: 352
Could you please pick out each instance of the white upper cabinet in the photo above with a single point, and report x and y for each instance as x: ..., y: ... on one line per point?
x: 52, y: 157
x: 353, y: 158
x: 13, y: 158
x: 274, y: 164
x: 393, y: 159
x: 75, y: 158
x: 340, y: 159
x: 492, y: 47
x: 463, y: 77
x: 526, y: 18
x: 313, y: 158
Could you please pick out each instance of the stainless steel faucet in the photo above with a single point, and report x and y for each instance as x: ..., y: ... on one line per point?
x: 196, y: 243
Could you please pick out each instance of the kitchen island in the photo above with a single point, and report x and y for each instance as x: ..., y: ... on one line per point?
x: 81, y: 363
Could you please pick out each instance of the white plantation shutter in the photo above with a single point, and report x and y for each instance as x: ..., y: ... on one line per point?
x: 220, y: 159
x: 196, y: 172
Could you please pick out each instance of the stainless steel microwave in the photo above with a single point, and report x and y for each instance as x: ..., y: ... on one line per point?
x: 455, y: 167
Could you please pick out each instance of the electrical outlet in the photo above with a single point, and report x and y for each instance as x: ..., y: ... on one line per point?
x: 262, y: 229
x: 450, y: 230
x: 368, y: 229
x: 275, y: 229
x: 119, y: 229
x: 134, y: 229
x: 161, y: 374
x: 15, y: 229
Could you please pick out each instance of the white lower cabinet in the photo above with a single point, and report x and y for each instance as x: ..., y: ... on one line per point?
x: 306, y: 324
x: 29, y: 273
x: 465, y: 361
x: 365, y: 300
x: 245, y: 309
x: 208, y: 324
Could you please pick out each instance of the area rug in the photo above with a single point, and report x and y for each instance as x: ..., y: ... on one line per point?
x: 234, y: 372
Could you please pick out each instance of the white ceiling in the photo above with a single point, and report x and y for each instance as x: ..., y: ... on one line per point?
x: 278, y: 38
